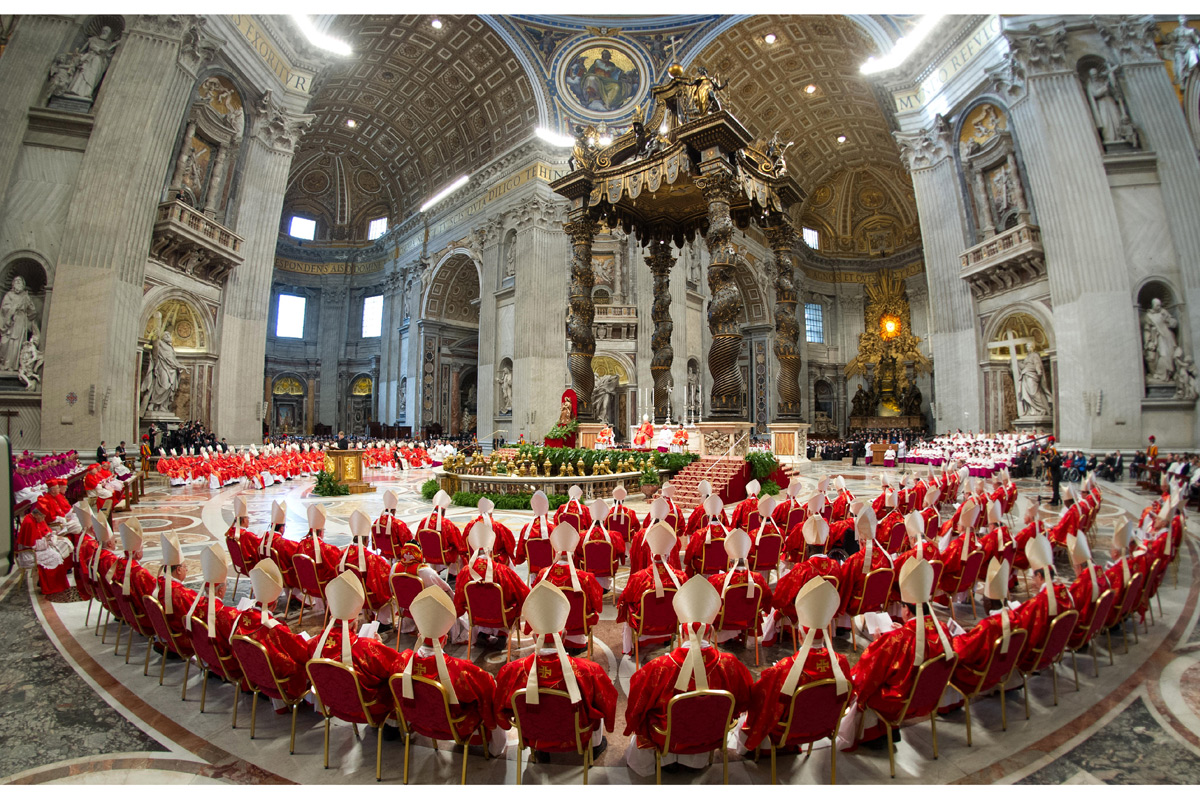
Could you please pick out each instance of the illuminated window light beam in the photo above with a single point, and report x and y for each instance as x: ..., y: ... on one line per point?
x: 556, y: 139
x: 905, y: 45
x: 444, y: 193
x: 318, y: 39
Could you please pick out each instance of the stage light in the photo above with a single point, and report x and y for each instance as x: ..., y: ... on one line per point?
x: 769, y: 38
x: 436, y: 23
x: 444, y: 193
x: 350, y: 123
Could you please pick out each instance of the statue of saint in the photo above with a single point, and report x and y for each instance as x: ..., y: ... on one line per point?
x: 1158, y: 341
x: 162, y: 376
x: 17, y: 320
x: 1185, y: 376
x: 29, y: 363
x: 602, y: 396
x: 89, y: 64
x: 504, y: 387
x: 704, y: 93
x: 1107, y: 108
x: 565, y: 417
x: 1185, y: 50
x: 1031, y: 396
x: 860, y: 405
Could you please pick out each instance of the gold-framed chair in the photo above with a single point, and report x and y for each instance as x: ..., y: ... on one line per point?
x: 1086, y: 629
x: 1049, y: 654
x: 339, y: 694
x: 933, y: 677
x: 694, y: 725
x: 656, y: 617
x: 971, y: 683
x: 428, y: 714
x: 818, y: 717
x: 256, y: 666
x: 210, y: 659
x: 485, y: 608
x: 169, y: 640
x: 553, y: 717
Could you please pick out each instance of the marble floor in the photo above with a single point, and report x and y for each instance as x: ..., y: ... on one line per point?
x: 98, y: 720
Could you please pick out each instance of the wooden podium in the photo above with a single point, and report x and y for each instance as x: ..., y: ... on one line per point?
x: 877, y: 453
x: 346, y: 466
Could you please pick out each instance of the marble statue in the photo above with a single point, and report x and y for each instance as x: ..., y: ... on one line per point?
x: 402, y: 400
x: 602, y: 396
x: 1112, y: 120
x: 1032, y: 396
x: 87, y: 68
x: 504, y: 387
x: 860, y: 404
x: 1184, y: 44
x: 29, y: 363
x: 510, y: 261
x: 1186, y: 387
x: 162, y: 376
x: 17, y: 320
x: 1158, y: 341
x: 565, y: 415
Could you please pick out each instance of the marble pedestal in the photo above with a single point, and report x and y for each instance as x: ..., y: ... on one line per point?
x: 789, y: 442
x: 717, y: 437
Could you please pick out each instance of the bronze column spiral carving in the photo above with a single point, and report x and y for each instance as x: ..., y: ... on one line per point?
x: 660, y: 262
x: 725, y: 304
x: 781, y: 236
x: 581, y: 312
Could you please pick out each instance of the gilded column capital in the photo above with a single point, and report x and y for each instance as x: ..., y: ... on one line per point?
x: 581, y: 230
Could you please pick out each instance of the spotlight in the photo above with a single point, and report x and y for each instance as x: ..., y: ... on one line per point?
x: 350, y: 123
x: 436, y: 23
x: 769, y: 38
x: 810, y: 89
x: 841, y: 139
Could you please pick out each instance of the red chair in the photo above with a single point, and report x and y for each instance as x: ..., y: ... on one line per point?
x: 741, y: 613
x: 753, y: 520
x: 405, y: 588
x: 574, y: 519
x: 433, y: 548
x: 310, y: 582
x: 256, y: 667
x: 1154, y: 577
x: 697, y: 722
x: 485, y: 607
x: 135, y: 618
x: 1086, y: 628
x: 209, y: 659
x: 240, y: 567
x: 340, y: 695
x: 893, y: 540
x: 968, y: 574
x: 1133, y: 593
x: 795, y: 516
x: 577, y: 620
x: 600, y: 559
x: 539, y: 553
x: 107, y: 595
x: 713, y: 558
x: 429, y: 714
x: 764, y: 558
x: 179, y: 645
x: 552, y: 718
x: 938, y: 566
x: 656, y: 617
x: 814, y: 713
x: 1049, y: 654
x: 872, y: 597
x: 622, y: 522
x: 385, y: 540
x: 971, y: 683
x: 932, y: 679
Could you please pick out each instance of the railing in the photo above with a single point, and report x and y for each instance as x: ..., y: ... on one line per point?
x: 188, y: 217
x: 611, y: 311
x: 1017, y: 238
x: 723, y: 456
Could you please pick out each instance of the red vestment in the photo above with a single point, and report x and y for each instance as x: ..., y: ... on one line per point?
x: 505, y: 547
x: 928, y: 550
x: 389, y: 534
x: 513, y: 590
x: 327, y: 567
x: 559, y: 575
x: 652, y: 687
x: 375, y: 579
x: 740, y: 578
x: 574, y: 507
x: 1034, y: 616
x: 792, y: 581
x: 286, y: 651
x: 374, y: 662
x: 638, y: 584
x: 453, y: 543
x: 852, y: 578
x: 640, y: 555
x: 883, y: 676
x: 247, y: 542
x: 768, y: 707
x: 598, y: 695
x: 530, y: 530
x: 50, y: 581
x: 474, y: 687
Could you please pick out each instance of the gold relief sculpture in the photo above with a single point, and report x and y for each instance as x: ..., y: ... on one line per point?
x: 1022, y: 326
x: 888, y: 340
x: 329, y: 466
x: 361, y: 387
x: 982, y: 124
x: 184, y: 322
x: 287, y: 385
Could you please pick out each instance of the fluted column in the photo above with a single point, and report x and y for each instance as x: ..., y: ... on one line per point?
x: 782, y: 236
x: 538, y: 375
x: 94, y: 322
x: 660, y: 262
x: 247, y: 294
x: 725, y: 305
x: 1097, y: 345
x: 581, y: 311
x: 928, y: 155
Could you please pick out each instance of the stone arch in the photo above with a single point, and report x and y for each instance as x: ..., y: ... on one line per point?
x: 997, y: 324
x: 756, y: 306
x: 450, y: 295
x: 985, y: 142
x: 188, y: 307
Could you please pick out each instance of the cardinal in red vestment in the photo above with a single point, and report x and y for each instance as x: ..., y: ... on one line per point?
x: 660, y: 575
x: 563, y: 574
x: 371, y: 568
x: 287, y: 652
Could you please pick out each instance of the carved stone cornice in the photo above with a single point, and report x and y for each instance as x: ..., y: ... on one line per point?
x: 392, y: 283
x: 198, y: 47
x: 165, y: 26
x: 333, y: 294
x: 190, y: 242
x: 1008, y: 77
x: 1040, y: 51
x: 1130, y: 39
x: 276, y: 127
x: 926, y: 148
x: 1006, y: 261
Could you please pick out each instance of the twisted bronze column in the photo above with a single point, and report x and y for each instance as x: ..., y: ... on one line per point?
x: 660, y: 262
x: 781, y: 236
x: 725, y: 304
x: 581, y: 312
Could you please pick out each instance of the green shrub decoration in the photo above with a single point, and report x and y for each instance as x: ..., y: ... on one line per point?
x: 762, y: 464
x: 327, y: 485
x: 429, y: 488
x: 768, y: 487
x: 507, y: 502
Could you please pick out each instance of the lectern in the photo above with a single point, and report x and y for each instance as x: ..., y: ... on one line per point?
x: 346, y: 466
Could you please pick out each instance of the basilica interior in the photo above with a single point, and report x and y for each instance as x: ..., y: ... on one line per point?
x: 768, y: 228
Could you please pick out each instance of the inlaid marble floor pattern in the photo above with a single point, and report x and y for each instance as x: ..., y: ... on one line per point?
x: 100, y: 721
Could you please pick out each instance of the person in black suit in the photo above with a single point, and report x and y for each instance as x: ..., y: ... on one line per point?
x: 101, y: 454
x: 342, y: 442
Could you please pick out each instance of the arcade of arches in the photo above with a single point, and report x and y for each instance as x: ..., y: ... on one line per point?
x: 172, y: 181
